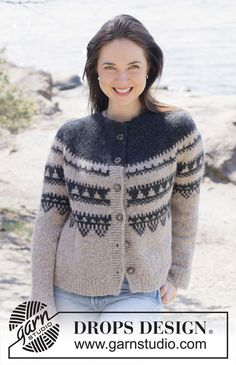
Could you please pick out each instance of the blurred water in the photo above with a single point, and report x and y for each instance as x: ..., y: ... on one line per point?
x: 197, y: 36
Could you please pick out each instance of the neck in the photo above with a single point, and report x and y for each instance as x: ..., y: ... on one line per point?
x: 121, y: 117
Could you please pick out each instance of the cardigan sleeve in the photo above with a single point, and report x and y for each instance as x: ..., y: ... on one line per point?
x: 53, y: 211
x: 185, y: 201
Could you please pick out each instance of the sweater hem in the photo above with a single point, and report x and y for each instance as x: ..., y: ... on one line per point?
x: 98, y: 287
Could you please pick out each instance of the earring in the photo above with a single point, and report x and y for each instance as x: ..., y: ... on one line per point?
x: 98, y: 78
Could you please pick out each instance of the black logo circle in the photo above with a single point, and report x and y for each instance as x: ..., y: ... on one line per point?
x: 34, y: 327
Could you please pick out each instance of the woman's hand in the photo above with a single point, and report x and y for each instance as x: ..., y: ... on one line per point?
x: 168, y: 292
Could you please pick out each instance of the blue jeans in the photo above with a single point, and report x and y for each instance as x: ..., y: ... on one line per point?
x: 126, y: 301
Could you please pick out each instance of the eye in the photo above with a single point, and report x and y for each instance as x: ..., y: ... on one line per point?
x: 111, y: 67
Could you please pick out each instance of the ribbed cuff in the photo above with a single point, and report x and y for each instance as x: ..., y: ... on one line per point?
x: 179, y: 279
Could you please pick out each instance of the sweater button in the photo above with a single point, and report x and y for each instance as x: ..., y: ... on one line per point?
x: 119, y: 217
x: 117, y: 160
x: 117, y: 187
x: 130, y: 270
x: 120, y: 137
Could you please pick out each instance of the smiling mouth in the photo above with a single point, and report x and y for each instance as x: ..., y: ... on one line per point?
x: 122, y: 92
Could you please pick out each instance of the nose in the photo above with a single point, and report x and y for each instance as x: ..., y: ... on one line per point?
x: 122, y: 76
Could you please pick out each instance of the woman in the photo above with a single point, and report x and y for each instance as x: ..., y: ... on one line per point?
x: 117, y: 223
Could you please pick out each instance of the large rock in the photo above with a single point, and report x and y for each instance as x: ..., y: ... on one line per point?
x: 221, y: 153
x: 66, y: 82
x: 35, y: 84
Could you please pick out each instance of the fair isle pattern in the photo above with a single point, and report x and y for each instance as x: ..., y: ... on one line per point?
x: 145, y: 193
x: 106, y: 182
x: 137, y: 195
x: 54, y: 174
x: 54, y: 201
x: 87, y: 222
x: 151, y: 220
x: 88, y: 194
x: 84, y: 168
x: 186, y: 190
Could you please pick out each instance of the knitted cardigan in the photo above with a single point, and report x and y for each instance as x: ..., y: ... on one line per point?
x: 118, y: 199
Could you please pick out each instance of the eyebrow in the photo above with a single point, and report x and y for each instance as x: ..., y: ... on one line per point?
x: 130, y: 63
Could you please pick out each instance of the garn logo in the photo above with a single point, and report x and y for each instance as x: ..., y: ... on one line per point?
x: 34, y: 327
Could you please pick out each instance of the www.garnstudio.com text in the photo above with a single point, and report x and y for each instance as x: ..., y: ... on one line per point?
x: 146, y: 344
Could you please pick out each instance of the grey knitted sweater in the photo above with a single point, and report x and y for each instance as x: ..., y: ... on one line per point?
x: 118, y: 199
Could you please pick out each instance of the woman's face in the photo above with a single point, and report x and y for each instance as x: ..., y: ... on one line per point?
x: 122, y: 65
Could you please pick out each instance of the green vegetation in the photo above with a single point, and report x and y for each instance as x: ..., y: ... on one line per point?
x: 16, y: 111
x: 17, y: 224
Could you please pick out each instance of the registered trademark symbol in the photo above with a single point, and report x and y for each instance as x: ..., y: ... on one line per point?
x: 210, y: 331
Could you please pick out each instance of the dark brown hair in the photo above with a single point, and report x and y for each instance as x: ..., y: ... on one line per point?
x: 124, y: 26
